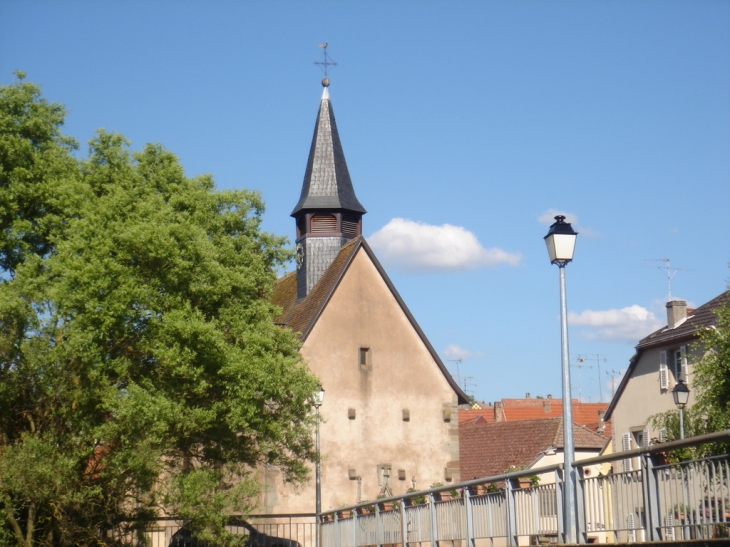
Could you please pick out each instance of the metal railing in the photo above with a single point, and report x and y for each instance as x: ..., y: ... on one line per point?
x: 657, y: 501
x: 277, y: 530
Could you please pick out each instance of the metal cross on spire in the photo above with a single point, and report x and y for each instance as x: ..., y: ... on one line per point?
x: 325, y: 64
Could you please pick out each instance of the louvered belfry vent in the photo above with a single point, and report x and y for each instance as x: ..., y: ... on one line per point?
x: 350, y: 227
x: 323, y: 224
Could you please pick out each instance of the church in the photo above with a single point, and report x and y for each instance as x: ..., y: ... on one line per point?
x: 389, y: 420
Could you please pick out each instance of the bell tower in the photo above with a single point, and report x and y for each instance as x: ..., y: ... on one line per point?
x: 328, y: 213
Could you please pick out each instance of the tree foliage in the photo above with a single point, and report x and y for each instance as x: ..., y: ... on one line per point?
x: 712, y: 373
x: 140, y: 368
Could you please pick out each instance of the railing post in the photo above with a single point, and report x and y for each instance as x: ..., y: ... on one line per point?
x: 651, y: 497
x: 379, y: 540
x: 403, y: 522
x: 355, y: 529
x: 580, y: 507
x: 559, y: 487
x: 469, y: 517
x: 511, y: 513
x: 434, y: 522
x: 338, y: 540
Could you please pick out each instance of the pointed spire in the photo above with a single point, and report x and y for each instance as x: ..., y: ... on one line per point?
x: 327, y: 183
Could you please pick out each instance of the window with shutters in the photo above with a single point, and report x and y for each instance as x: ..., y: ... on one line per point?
x: 323, y: 224
x: 679, y: 364
x: 676, y: 364
x: 663, y: 370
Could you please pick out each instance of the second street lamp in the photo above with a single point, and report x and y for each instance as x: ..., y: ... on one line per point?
x: 681, y: 398
x: 560, y: 242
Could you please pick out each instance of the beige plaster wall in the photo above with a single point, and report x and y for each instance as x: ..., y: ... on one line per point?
x: 642, y: 397
x: 403, y: 375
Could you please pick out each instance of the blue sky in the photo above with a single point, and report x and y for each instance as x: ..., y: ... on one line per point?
x: 468, y: 121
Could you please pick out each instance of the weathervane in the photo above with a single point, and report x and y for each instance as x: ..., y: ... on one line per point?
x: 325, y: 64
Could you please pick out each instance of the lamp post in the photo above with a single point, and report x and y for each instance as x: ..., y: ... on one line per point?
x: 560, y: 241
x: 318, y: 400
x: 681, y: 397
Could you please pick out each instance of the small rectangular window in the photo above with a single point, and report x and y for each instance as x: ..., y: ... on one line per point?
x: 364, y: 357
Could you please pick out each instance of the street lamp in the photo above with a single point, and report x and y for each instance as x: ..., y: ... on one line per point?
x: 318, y: 400
x: 560, y: 241
x: 681, y: 397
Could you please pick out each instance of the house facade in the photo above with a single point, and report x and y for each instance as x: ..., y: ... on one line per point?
x: 662, y: 359
x: 389, y: 420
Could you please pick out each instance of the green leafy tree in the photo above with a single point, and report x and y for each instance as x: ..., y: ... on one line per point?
x: 140, y: 368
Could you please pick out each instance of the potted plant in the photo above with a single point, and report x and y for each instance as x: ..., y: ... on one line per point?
x: 443, y: 495
x: 388, y: 505
x: 415, y: 500
x: 367, y: 509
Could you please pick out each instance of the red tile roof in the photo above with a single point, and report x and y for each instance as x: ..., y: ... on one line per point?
x: 488, y: 449
x: 512, y: 410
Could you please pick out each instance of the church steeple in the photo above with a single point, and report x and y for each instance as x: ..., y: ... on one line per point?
x: 328, y: 213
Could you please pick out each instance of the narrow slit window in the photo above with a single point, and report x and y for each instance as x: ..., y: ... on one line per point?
x: 364, y: 357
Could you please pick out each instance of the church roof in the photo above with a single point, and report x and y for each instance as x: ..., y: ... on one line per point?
x: 302, y: 315
x: 327, y: 183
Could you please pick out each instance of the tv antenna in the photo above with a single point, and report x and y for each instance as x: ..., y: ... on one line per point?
x: 613, y: 373
x: 463, y: 380
x: 325, y: 63
x: 667, y: 267
x: 598, y: 359
x: 581, y: 366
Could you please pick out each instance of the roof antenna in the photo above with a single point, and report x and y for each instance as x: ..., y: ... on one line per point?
x: 325, y: 64
x: 670, y: 273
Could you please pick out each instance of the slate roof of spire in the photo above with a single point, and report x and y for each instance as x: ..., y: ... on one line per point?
x: 327, y: 183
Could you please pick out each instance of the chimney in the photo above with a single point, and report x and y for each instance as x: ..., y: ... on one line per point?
x: 601, y: 424
x: 676, y: 311
x: 550, y: 396
x: 546, y: 406
x: 527, y: 395
x: 498, y: 411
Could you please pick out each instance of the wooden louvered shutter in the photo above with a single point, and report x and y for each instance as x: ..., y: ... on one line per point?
x: 645, y: 438
x: 683, y: 368
x: 626, y: 445
x: 323, y: 224
x: 663, y: 435
x: 663, y: 376
x: 663, y: 370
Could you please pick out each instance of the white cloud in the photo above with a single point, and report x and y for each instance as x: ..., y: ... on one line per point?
x: 417, y: 247
x: 455, y: 353
x: 548, y: 217
x: 628, y: 324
